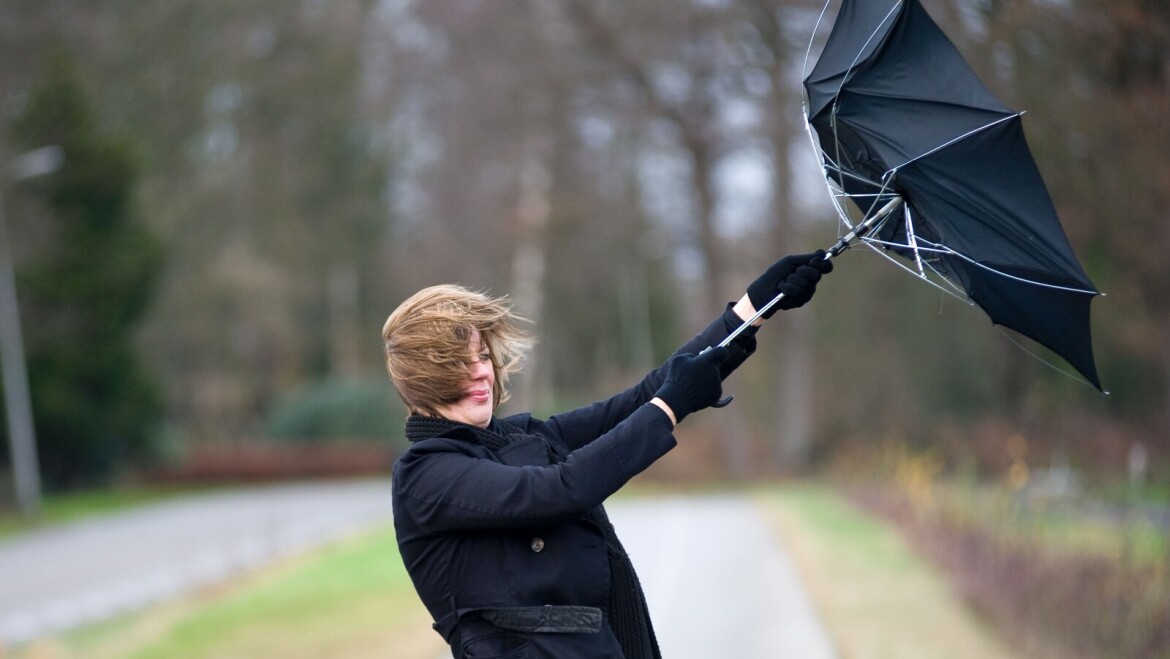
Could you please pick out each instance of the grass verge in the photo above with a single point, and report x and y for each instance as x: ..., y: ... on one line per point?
x: 352, y: 599
x: 877, y: 598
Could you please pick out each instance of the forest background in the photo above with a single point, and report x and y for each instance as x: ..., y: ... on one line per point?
x: 249, y: 189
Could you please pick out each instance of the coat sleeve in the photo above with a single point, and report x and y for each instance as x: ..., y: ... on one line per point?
x: 578, y: 427
x: 443, y: 489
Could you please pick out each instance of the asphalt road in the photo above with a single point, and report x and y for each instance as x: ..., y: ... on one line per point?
x: 717, y: 582
x: 83, y: 572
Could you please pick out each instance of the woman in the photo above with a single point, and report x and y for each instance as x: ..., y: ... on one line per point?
x: 499, y: 521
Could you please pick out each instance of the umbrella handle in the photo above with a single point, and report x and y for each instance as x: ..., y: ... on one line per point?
x: 840, y: 246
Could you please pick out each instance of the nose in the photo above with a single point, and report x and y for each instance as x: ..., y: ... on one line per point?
x: 480, y: 369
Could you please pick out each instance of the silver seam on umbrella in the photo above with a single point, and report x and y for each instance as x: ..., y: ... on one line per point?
x: 960, y: 138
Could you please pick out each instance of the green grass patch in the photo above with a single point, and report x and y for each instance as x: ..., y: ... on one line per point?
x: 353, y: 578
x: 877, y: 597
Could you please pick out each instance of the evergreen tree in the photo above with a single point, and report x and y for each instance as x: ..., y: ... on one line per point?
x: 84, y: 290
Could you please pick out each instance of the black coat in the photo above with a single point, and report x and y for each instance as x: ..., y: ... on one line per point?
x: 493, y: 538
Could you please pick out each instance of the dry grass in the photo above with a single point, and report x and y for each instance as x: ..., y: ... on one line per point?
x: 878, y: 599
x: 1054, y: 585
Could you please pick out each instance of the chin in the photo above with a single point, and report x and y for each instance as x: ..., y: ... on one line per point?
x: 482, y: 420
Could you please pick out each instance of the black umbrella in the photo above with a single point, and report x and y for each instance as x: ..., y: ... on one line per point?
x: 942, y: 176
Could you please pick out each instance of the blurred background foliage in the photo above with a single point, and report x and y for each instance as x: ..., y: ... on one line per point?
x: 337, y: 408
x: 250, y: 188
x: 86, y: 289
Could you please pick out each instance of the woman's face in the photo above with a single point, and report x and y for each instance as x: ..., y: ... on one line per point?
x: 475, y: 408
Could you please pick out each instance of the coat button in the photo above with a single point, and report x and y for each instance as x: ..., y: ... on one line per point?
x: 537, y: 545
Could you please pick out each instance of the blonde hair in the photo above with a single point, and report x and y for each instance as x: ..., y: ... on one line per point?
x: 426, y: 345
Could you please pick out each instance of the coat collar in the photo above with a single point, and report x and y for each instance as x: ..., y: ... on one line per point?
x: 496, y: 436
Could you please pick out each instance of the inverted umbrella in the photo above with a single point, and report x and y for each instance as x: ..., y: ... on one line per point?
x: 941, y: 175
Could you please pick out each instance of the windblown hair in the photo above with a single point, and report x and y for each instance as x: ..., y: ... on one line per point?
x: 426, y: 344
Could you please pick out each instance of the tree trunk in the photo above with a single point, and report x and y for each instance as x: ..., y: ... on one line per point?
x: 792, y: 422
x: 528, y: 267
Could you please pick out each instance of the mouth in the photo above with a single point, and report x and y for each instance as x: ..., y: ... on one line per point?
x: 480, y: 395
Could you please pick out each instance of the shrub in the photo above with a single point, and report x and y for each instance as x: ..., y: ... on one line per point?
x: 339, y: 408
x: 1052, y: 598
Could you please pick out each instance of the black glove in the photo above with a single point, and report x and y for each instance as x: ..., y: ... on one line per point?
x: 795, y: 275
x: 693, y: 382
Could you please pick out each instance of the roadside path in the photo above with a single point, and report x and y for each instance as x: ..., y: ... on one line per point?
x: 82, y: 572
x: 717, y: 582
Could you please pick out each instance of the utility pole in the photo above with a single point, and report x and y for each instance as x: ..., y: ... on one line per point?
x: 17, y: 402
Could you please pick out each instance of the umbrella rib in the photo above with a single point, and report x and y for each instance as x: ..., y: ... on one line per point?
x: 1040, y: 358
x: 844, y: 174
x: 873, y: 244
x: 878, y: 247
x: 834, y: 196
x: 861, y: 50
x: 812, y: 37
x: 954, y: 291
x: 944, y: 249
x: 836, y: 144
x: 845, y: 77
x: 912, y: 237
x: 938, y: 248
x: 960, y: 138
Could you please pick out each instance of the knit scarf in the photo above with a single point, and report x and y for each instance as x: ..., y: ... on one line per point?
x: 629, y: 617
x: 493, y: 437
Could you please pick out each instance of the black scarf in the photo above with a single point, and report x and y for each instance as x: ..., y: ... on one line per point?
x: 629, y: 616
x: 494, y: 437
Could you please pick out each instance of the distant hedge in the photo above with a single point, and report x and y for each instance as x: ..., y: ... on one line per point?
x: 338, y: 408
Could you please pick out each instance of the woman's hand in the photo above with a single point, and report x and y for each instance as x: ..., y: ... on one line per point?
x: 693, y: 382
x: 795, y: 276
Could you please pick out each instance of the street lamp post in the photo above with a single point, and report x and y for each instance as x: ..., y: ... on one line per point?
x: 17, y: 402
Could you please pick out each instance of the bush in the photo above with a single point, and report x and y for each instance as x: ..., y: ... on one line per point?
x: 1051, y: 598
x: 339, y: 408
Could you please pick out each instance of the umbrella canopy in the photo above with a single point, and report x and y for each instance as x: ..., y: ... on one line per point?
x: 897, y: 113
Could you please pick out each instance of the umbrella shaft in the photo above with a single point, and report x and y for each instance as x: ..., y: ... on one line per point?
x: 863, y: 228
x: 842, y: 245
x: 748, y: 323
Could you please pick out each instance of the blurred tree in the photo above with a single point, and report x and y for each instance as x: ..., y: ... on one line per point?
x: 85, y: 290
x: 1100, y: 134
x: 618, y: 168
x: 771, y: 36
x: 267, y: 175
x: 678, y: 65
x: 518, y: 174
